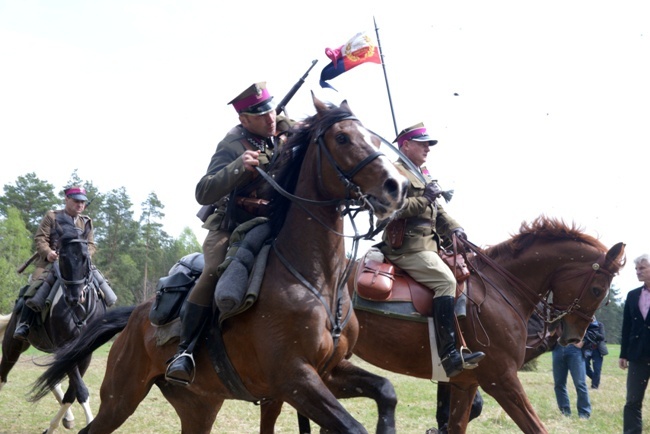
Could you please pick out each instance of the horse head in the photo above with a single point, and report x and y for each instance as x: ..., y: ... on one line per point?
x: 349, y: 164
x: 74, y: 265
x: 579, y: 289
x: 562, y: 269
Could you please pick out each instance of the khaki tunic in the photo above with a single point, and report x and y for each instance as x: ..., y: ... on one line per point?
x: 425, y: 224
x: 225, y: 174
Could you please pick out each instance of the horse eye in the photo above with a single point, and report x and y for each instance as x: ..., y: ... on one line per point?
x: 341, y: 138
x: 596, y: 291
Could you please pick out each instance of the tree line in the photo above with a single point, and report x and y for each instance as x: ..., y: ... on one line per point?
x: 131, y: 253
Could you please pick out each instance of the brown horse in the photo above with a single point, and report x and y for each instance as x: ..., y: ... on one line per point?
x: 292, y: 344
x: 77, y: 302
x: 507, y: 283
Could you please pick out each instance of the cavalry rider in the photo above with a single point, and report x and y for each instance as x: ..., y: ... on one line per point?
x: 412, y: 242
x: 46, y: 240
x: 230, y: 180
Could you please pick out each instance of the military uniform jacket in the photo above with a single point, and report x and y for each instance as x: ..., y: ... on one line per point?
x: 226, y: 173
x: 46, y: 238
x: 635, y: 334
x: 425, y: 222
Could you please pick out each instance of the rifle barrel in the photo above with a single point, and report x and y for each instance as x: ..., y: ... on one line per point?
x: 280, y: 108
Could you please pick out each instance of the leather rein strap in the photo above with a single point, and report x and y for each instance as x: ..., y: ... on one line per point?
x: 555, y: 312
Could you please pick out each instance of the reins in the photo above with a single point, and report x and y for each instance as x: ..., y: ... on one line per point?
x: 551, y: 311
x: 354, y: 202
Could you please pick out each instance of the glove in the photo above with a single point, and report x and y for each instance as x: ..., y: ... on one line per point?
x: 432, y: 191
x: 460, y: 233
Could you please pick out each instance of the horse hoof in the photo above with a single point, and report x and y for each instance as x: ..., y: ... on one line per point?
x: 68, y: 424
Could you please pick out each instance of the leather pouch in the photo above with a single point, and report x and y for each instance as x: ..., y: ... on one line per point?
x: 395, y: 233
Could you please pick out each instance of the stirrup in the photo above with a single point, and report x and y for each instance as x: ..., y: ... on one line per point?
x: 179, y: 380
x: 468, y: 365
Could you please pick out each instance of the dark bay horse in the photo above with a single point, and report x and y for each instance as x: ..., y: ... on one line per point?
x: 292, y: 344
x: 76, y: 302
x: 509, y: 282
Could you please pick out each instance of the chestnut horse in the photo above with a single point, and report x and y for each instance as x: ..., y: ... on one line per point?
x: 292, y: 344
x: 77, y: 302
x: 508, y: 284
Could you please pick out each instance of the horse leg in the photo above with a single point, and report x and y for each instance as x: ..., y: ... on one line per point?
x: 196, y: 411
x: 349, y: 381
x: 510, y: 394
x: 461, y: 400
x: 68, y: 418
x: 119, y: 394
x: 310, y: 396
x: 269, y: 413
x: 11, y: 351
x: 76, y: 390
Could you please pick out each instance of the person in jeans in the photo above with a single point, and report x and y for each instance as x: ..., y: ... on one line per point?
x: 635, y: 346
x: 570, y: 359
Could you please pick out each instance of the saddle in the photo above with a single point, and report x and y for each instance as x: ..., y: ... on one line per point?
x: 379, y: 280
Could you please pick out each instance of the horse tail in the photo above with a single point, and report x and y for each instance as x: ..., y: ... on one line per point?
x: 95, y: 334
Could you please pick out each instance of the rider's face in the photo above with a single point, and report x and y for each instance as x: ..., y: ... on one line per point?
x: 416, y: 151
x: 74, y: 207
x: 261, y: 125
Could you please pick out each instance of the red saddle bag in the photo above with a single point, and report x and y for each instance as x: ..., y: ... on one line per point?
x: 375, y: 279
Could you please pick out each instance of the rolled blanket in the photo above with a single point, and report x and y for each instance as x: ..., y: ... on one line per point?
x: 234, y: 272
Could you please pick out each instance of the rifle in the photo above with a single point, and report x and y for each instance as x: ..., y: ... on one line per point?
x: 20, y: 269
x: 280, y: 108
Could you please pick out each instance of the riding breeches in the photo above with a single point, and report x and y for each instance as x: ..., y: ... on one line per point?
x: 215, y: 247
x: 429, y: 269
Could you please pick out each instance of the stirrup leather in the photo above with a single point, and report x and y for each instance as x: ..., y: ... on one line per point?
x: 176, y: 358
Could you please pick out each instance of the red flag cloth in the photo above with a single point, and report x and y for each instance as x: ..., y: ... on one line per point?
x: 361, y: 48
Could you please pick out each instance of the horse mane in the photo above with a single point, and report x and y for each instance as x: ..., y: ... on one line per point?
x: 286, y: 166
x: 542, y: 228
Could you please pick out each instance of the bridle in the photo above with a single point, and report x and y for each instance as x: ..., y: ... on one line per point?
x: 353, y: 202
x: 551, y: 311
x: 84, y: 281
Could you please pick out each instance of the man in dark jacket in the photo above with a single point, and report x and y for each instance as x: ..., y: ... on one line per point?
x: 635, y: 346
x: 593, y: 350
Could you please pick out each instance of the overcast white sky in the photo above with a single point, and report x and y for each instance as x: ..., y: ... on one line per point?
x: 550, y: 117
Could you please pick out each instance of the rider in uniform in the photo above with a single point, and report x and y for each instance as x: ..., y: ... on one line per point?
x: 423, y: 222
x: 230, y: 180
x: 47, y: 240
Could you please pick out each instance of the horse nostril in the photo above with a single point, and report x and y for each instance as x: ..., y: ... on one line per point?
x: 391, y: 187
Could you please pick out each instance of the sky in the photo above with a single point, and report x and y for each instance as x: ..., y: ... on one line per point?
x: 540, y: 108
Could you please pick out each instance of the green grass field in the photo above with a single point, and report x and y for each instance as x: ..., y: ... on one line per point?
x: 415, y: 411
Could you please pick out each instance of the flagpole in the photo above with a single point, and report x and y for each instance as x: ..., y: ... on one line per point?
x: 383, y: 65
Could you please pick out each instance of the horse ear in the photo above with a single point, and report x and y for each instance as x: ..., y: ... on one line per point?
x: 321, y: 107
x: 346, y: 106
x: 615, y: 258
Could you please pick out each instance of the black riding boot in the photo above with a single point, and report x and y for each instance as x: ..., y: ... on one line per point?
x: 181, y: 368
x: 27, y: 317
x: 453, y: 362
